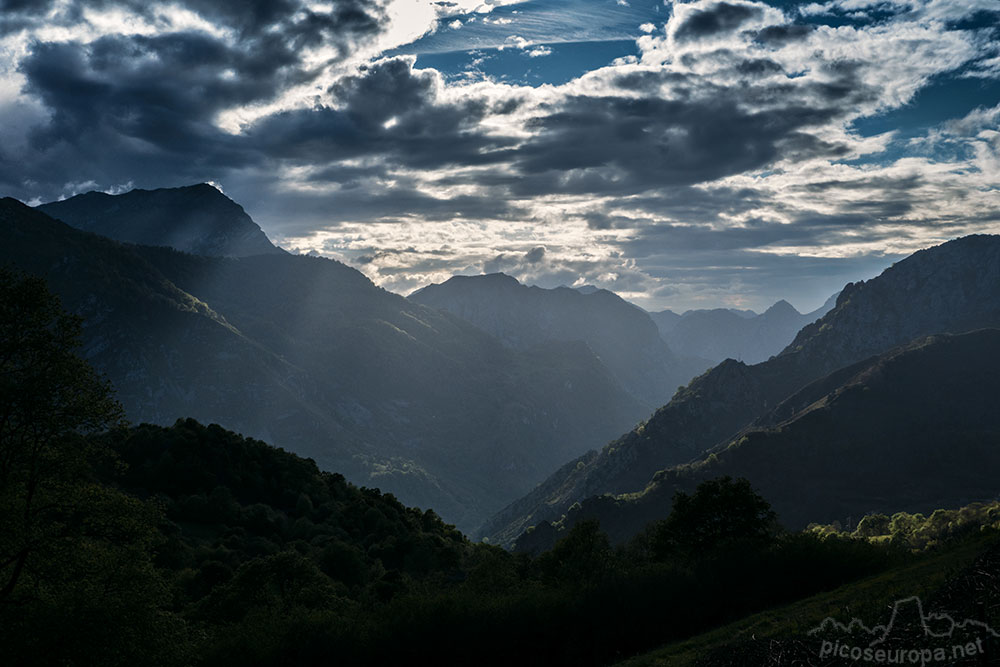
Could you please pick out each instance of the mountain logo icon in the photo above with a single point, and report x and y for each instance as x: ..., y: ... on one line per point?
x: 911, y: 636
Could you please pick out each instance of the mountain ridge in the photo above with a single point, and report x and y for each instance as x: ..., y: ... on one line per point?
x: 620, y: 334
x: 868, y: 438
x: 950, y: 288
x: 198, y: 219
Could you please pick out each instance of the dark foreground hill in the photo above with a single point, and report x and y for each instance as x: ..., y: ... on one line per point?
x: 951, y: 288
x: 622, y: 335
x: 309, y: 354
x: 240, y: 553
x: 911, y: 430
x: 197, y: 219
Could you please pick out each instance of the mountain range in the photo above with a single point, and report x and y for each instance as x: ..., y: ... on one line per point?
x: 621, y: 335
x: 308, y: 354
x: 724, y: 333
x: 951, y: 288
x: 468, y: 394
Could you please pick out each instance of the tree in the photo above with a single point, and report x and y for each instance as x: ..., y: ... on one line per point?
x: 77, y: 581
x: 722, y: 514
x: 583, y: 556
x: 872, y: 525
x: 50, y: 399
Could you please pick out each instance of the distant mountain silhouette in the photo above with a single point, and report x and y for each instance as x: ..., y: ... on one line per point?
x: 914, y: 429
x: 197, y: 219
x: 954, y: 287
x: 622, y: 335
x: 308, y: 354
x: 665, y: 320
x: 743, y: 335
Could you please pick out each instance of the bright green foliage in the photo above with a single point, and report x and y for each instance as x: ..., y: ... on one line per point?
x: 918, y: 532
x: 873, y: 525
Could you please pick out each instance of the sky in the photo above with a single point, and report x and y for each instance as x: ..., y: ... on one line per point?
x: 682, y: 154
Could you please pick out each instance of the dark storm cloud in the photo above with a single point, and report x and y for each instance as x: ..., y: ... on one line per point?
x: 617, y: 145
x: 653, y: 239
x: 142, y: 108
x: 390, y: 110
x: 24, y: 5
x: 608, y: 145
x: 874, y: 184
x: 718, y: 18
x: 123, y: 101
x: 535, y: 255
x: 384, y: 90
x: 648, y: 80
x: 693, y: 205
x: 17, y: 15
x: 420, y: 256
x: 759, y: 67
x: 780, y: 35
x: 635, y: 144
x: 140, y: 85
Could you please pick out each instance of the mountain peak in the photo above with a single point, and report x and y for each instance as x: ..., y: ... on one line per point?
x: 782, y: 307
x: 198, y: 219
x: 494, y: 280
x: 499, y: 277
x: 202, y: 186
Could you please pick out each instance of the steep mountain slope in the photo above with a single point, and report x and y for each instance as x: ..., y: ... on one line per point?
x: 168, y: 352
x: 665, y: 320
x: 729, y: 334
x: 620, y: 334
x: 197, y: 219
x: 954, y: 287
x: 912, y: 430
x: 309, y: 354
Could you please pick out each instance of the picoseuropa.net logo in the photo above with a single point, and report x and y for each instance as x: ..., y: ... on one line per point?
x: 911, y: 637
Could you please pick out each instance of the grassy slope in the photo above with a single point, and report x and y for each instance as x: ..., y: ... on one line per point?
x: 867, y: 599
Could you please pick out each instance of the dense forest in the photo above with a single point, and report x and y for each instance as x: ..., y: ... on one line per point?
x: 125, y: 545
